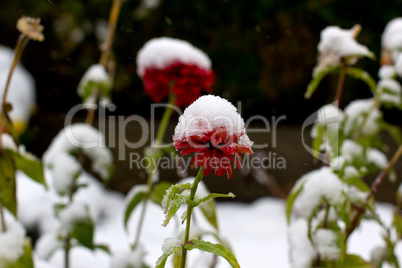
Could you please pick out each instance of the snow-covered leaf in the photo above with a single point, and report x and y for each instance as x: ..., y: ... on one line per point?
x: 76, y: 220
x: 31, y: 167
x: 134, y: 197
x: 172, y: 191
x: 317, y: 80
x: 7, y: 182
x: 159, y: 191
x: 170, y: 246
x: 213, y: 248
x: 174, y: 205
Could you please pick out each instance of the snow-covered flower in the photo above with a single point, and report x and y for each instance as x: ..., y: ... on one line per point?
x: 391, y: 41
x: 95, y: 78
x: 336, y: 44
x: 212, y: 128
x: 166, y: 60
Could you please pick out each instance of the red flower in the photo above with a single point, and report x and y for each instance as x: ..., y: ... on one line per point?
x: 212, y: 128
x: 215, y: 150
x: 189, y: 81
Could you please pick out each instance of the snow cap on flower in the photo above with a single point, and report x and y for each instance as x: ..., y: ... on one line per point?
x: 159, y: 53
x: 165, y: 62
x: 337, y: 43
x: 213, y: 129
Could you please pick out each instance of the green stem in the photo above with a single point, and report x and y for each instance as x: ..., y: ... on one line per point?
x: 166, y: 117
x: 341, y: 81
x: 159, y: 139
x: 190, y: 208
x: 67, y: 247
x: 19, y: 48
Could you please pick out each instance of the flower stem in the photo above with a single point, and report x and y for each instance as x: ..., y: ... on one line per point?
x: 67, y: 247
x: 190, y: 208
x: 159, y: 139
x: 106, y: 58
x: 166, y: 117
x: 19, y: 48
x: 380, y: 178
x: 3, y: 220
x: 341, y: 81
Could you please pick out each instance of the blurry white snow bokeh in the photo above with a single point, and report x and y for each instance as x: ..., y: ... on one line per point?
x: 256, y: 232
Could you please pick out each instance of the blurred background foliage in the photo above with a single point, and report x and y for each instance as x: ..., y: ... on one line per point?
x: 262, y: 52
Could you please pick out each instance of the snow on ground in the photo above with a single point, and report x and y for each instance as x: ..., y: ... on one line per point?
x: 257, y: 232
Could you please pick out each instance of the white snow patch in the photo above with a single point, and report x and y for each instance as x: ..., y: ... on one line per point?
x: 169, y: 246
x: 319, y: 184
x: 336, y: 43
x: 65, y: 170
x: 386, y: 71
x: 47, y: 244
x: 326, y: 242
x: 12, y: 240
x: 161, y: 52
x: 74, y: 213
x: 129, y: 259
x: 21, y: 93
x: 302, y: 253
x: 351, y: 150
x: 355, y: 111
x: 390, y: 85
x: 7, y: 142
x: 377, y: 158
x: 392, y: 35
x: 86, y: 137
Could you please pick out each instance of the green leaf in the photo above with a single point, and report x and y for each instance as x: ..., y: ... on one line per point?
x: 213, y: 195
x: 292, y: 197
x: 159, y: 191
x: 102, y: 247
x: 7, y: 182
x: 208, y: 209
x: 83, y: 232
x: 354, y: 261
x: 31, y: 167
x: 317, y: 79
x: 394, y: 131
x: 318, y: 139
x: 176, y: 260
x: 362, y: 75
x: 397, y: 222
x: 136, y: 195
x: 213, y: 248
x: 25, y: 261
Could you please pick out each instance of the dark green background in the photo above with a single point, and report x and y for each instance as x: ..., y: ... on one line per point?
x: 262, y: 53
